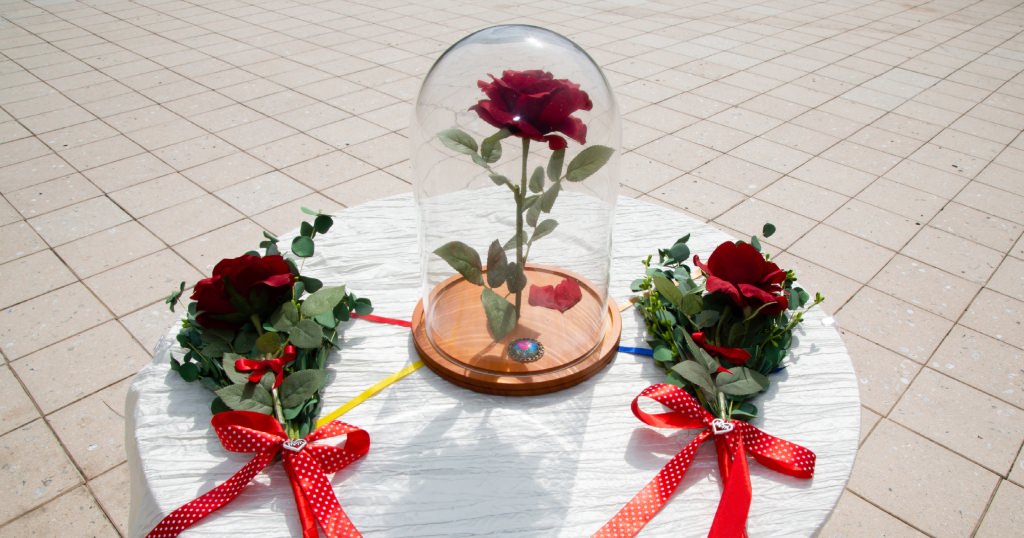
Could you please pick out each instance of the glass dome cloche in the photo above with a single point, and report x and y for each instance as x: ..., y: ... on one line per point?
x: 515, y: 150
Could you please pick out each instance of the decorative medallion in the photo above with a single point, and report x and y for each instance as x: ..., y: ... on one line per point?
x: 525, y: 350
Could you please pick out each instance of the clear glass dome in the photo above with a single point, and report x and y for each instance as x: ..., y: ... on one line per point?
x: 515, y: 149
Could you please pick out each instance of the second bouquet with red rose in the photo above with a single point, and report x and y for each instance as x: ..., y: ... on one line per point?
x: 720, y: 331
x: 258, y: 332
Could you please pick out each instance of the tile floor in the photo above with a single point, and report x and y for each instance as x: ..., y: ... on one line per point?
x: 140, y: 141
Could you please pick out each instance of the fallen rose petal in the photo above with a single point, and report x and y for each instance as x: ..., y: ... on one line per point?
x: 561, y: 297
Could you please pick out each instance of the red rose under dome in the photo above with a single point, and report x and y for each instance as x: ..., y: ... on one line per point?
x: 534, y: 104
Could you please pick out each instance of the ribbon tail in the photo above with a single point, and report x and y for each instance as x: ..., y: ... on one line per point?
x: 186, y: 516
x: 632, y: 518
x: 731, y: 517
x: 307, y: 519
x: 319, y: 496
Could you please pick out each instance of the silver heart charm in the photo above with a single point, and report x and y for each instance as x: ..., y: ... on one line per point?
x: 719, y: 426
x: 296, y: 445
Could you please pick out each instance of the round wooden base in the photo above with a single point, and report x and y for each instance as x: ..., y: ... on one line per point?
x: 458, y: 346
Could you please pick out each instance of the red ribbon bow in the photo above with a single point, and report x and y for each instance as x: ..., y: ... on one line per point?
x: 276, y: 365
x: 733, y: 439
x: 306, y: 463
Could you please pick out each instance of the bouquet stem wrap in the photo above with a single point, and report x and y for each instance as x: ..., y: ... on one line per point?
x: 733, y: 440
x: 306, y: 463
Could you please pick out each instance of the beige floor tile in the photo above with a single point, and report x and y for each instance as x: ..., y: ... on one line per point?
x: 291, y: 150
x: 886, y: 141
x: 972, y: 357
x: 678, y: 153
x: 16, y: 408
x: 938, y: 491
x: 57, y: 119
x: 947, y: 159
x: 372, y: 186
x: 843, y: 253
x: 998, y: 316
x: 946, y: 411
x: 55, y: 194
x: 148, y: 324
x: 77, y: 135
x: 230, y: 241
x: 661, y: 118
x: 855, y: 517
x: 127, y: 172
x: 79, y: 220
x: 320, y: 114
x: 108, y: 248
x: 868, y: 420
x: 32, y: 276
x: 76, y: 507
x: 714, y: 135
x: 28, y: 484
x: 113, y: 493
x: 863, y: 158
x: 772, y: 155
x: 894, y: 324
x: 644, y: 173
x: 836, y: 288
x: 1009, y: 278
x: 959, y: 256
x: 694, y: 105
x: 38, y: 322
x: 1011, y: 157
x: 829, y: 124
x: 1002, y: 177
x: 874, y: 224
x: 803, y: 198
x: 33, y: 172
x: 926, y: 178
x: 227, y: 118
x: 834, y: 176
x: 92, y: 429
x: 263, y: 192
x: 18, y: 239
x: 8, y: 214
x: 346, y: 132
x: 382, y: 151
x: 256, y: 133
x: 883, y: 375
x: 190, y: 153
x: 737, y: 174
x: 697, y: 196
x: 1017, y: 474
x: 140, y: 282
x: 994, y: 201
x: 975, y: 146
x: 101, y: 152
x: 1004, y: 516
x: 914, y: 204
x: 22, y: 150
x: 189, y: 219
x: 925, y: 286
x: 165, y: 134
x: 226, y: 171
x: 985, y: 129
x: 750, y: 217
x: 286, y: 217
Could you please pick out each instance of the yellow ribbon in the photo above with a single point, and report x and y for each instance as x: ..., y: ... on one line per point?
x: 370, y: 392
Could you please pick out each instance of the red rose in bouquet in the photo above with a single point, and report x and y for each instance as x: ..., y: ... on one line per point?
x: 533, y: 104
x: 739, y: 271
x: 240, y: 288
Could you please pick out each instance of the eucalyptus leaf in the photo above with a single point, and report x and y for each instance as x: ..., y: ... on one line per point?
x: 555, y: 164
x: 742, y: 382
x: 363, y: 307
x: 247, y: 397
x: 544, y: 228
x: 268, y: 342
x: 501, y: 314
x: 497, y: 265
x: 696, y: 375
x: 587, y: 162
x: 306, y: 334
x: 300, y: 386
x: 537, y: 180
x: 701, y: 356
x: 310, y: 284
x: 463, y: 259
x: 706, y: 318
x: 189, y: 372
x: 302, y: 246
x: 228, y: 363
x: 664, y: 354
x: 755, y: 242
x: 458, y: 140
x: 306, y: 229
x: 324, y: 300
x: 692, y: 304
x: 322, y: 223
x: 668, y: 290
x: 768, y: 230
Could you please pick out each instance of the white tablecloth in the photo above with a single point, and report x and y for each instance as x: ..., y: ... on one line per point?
x: 445, y: 461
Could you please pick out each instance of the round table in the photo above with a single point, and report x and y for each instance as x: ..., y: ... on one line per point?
x: 445, y: 461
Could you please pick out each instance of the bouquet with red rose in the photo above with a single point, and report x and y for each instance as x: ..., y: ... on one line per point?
x: 531, y: 105
x: 721, y: 335
x: 258, y: 332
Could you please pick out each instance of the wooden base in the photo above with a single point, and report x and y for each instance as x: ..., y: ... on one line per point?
x: 457, y: 345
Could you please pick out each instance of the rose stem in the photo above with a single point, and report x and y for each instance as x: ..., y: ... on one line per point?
x: 520, y: 198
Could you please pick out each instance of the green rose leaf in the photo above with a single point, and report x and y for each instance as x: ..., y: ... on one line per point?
x: 700, y: 355
x: 537, y: 180
x: 511, y: 243
x: 516, y: 279
x: 588, y: 162
x: 302, y: 246
x: 458, y: 140
x: 490, y: 149
x: 745, y: 411
x: 500, y: 180
x: 324, y: 300
x: 501, y: 314
x: 300, y: 386
x: 306, y: 334
x: 692, y: 304
x: 532, y: 214
x: 286, y: 316
x: 228, y: 363
x: 247, y: 397
x: 544, y: 228
x: 268, y: 342
x: 742, y: 382
x: 696, y: 375
x: 497, y: 265
x: 547, y: 200
x: 555, y: 164
x: 463, y: 259
x: 706, y: 318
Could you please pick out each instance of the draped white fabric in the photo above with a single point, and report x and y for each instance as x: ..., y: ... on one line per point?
x: 448, y: 462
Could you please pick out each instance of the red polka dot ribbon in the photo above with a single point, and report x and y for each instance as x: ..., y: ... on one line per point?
x: 306, y: 462
x: 733, y: 440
